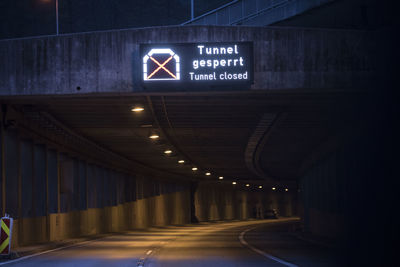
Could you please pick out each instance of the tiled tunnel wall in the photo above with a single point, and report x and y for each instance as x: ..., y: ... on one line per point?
x: 53, y: 196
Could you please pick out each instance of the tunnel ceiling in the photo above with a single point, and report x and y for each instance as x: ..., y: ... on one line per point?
x: 214, y: 132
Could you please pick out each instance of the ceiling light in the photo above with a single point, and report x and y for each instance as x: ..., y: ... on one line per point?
x: 260, y: 186
x: 181, y: 161
x: 194, y: 169
x: 233, y: 182
x: 154, y: 136
x: 286, y: 189
x: 221, y: 177
x: 208, y: 173
x: 273, y: 188
x: 137, y: 109
x: 247, y: 185
x: 168, y: 151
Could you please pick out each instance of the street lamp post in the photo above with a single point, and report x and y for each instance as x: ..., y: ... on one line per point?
x: 57, y: 16
x: 192, y: 9
x: 50, y: 1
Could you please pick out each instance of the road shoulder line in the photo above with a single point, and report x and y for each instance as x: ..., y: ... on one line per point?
x: 243, y: 241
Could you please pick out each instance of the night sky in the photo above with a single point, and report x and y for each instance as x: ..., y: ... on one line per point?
x: 24, y: 18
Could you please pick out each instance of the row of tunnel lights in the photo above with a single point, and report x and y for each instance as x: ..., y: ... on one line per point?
x: 181, y: 161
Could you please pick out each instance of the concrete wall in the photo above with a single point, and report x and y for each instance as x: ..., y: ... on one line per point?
x: 108, y: 62
x: 336, y: 192
x: 323, y: 198
x: 53, y: 196
x: 221, y: 201
x: 166, y: 209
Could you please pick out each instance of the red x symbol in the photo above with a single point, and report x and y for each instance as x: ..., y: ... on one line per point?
x: 161, y: 66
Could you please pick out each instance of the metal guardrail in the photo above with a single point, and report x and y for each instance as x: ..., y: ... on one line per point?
x: 235, y: 12
x: 246, y: 12
x: 210, y: 12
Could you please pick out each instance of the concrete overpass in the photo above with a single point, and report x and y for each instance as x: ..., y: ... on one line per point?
x: 76, y: 160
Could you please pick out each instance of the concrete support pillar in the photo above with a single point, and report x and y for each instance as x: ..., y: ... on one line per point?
x: 83, y: 198
x: 40, y: 192
x: 53, y: 194
x: 106, y: 188
x: 113, y: 188
x: 75, y: 186
x: 91, y: 188
x: 11, y: 167
x: 229, y: 213
x: 212, y: 206
x: 53, y: 181
x: 11, y: 179
x: 243, y: 212
x: 82, y: 185
x: 99, y: 184
x: 27, y: 178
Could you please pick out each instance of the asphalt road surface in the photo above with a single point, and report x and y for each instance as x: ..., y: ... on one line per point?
x: 248, y: 243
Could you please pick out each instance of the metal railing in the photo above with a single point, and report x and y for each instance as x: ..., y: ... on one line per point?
x: 254, y: 12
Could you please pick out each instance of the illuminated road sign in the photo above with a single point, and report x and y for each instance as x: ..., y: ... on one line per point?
x: 161, y: 64
x: 193, y: 65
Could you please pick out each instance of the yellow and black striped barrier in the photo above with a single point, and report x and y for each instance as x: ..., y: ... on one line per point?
x: 5, y: 235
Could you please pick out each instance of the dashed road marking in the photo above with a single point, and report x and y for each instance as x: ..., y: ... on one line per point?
x: 140, y: 262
